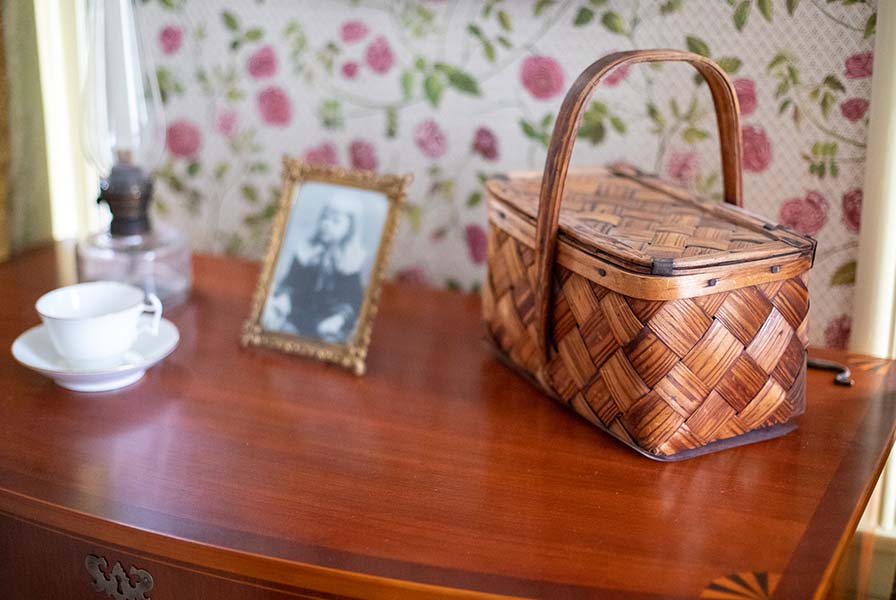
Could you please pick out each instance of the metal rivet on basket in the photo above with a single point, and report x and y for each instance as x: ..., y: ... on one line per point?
x: 602, y: 272
x: 776, y: 268
x: 712, y: 282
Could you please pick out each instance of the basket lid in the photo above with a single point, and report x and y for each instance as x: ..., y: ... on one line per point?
x: 644, y: 224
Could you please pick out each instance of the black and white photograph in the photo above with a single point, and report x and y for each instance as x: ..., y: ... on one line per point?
x: 325, y: 262
x: 319, y: 287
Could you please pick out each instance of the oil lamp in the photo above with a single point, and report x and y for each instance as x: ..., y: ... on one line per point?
x: 123, y: 137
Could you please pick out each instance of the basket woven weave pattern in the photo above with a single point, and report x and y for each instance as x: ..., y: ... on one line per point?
x: 666, y: 376
x: 641, y: 224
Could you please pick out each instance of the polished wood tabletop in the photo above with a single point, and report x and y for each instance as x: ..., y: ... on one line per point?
x: 440, y: 472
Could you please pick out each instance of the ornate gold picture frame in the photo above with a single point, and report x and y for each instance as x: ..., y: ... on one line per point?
x: 320, y: 282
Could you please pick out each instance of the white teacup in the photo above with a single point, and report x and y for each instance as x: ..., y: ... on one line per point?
x: 93, y: 324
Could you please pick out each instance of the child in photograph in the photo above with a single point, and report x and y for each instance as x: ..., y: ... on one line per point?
x: 321, y: 294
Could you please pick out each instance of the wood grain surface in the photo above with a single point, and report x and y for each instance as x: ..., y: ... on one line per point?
x: 438, y: 473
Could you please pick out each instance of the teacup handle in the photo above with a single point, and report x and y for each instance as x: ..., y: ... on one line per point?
x: 153, y: 305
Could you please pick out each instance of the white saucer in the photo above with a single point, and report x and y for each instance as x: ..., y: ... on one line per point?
x: 34, y: 350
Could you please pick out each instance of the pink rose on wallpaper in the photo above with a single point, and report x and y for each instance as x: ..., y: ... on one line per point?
x: 836, y: 334
x: 362, y: 155
x: 430, y: 138
x: 477, y: 243
x: 412, y: 275
x: 379, y: 55
x: 616, y: 76
x: 275, y: 106
x: 170, y: 39
x: 226, y: 121
x: 806, y: 215
x: 485, y: 143
x: 852, y: 208
x: 324, y: 154
x: 757, y: 149
x: 352, y: 31
x: 683, y: 165
x: 854, y: 108
x: 183, y: 138
x: 542, y: 76
x: 746, y: 95
x: 263, y: 63
x: 859, y: 66
x: 350, y: 69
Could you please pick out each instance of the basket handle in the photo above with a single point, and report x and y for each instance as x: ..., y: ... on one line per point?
x: 566, y: 127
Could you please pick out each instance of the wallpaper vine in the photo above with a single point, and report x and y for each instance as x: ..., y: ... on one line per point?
x: 455, y: 90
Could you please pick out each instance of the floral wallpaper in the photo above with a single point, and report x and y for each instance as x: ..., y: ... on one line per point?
x: 456, y: 90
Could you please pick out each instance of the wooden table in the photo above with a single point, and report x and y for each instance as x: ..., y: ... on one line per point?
x: 244, y: 473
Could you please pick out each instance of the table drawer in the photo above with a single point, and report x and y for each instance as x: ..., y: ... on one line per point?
x: 40, y: 564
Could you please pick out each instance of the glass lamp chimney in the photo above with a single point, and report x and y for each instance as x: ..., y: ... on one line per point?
x: 123, y: 133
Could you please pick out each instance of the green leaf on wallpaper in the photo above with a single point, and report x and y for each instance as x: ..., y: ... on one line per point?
x: 697, y: 46
x: 779, y: 59
x: 474, y: 199
x: 460, y: 80
x: 505, y: 21
x: 533, y: 133
x: 618, y: 124
x: 234, y: 245
x: 391, y: 122
x: 741, y: 14
x: 730, y: 64
x: 194, y: 168
x: 254, y: 34
x: 613, y: 22
x: 230, y: 21
x: 592, y: 127
x: 656, y: 116
x: 827, y: 101
x: 504, y: 41
x: 168, y: 85
x: 488, y: 48
x: 221, y: 170
x: 259, y: 167
x: 407, y: 84
x: 433, y: 88
x: 540, y: 5
x: 835, y: 84
x: 330, y: 114
x: 593, y: 132
x: 870, y: 25
x: 791, y: 6
x: 692, y: 135
x: 453, y: 285
x: 766, y: 8
x: 845, y: 274
x: 597, y: 3
x: 584, y: 16
x: 250, y: 193
x: 671, y: 6
x: 414, y: 215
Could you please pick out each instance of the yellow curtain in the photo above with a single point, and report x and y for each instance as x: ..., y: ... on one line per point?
x: 4, y: 153
x: 25, y: 186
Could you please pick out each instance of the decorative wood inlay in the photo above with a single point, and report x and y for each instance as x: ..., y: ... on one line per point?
x: 117, y: 584
x: 742, y: 586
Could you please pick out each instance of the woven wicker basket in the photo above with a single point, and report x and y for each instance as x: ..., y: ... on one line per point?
x: 675, y: 324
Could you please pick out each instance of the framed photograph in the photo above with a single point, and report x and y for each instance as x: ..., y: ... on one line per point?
x: 320, y: 282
